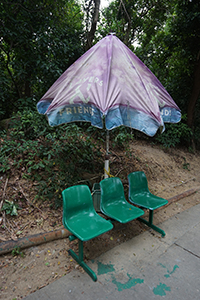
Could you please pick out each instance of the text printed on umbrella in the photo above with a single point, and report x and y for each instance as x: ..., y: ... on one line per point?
x: 165, y: 112
x: 77, y: 110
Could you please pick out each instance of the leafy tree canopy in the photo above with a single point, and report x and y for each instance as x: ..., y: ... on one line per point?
x: 38, y: 41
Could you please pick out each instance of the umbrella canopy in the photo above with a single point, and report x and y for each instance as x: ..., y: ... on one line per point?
x: 110, y: 80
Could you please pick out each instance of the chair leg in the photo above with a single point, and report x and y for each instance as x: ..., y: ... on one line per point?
x: 79, y: 259
x: 150, y: 223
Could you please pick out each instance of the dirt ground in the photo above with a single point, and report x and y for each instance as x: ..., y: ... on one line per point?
x: 169, y: 173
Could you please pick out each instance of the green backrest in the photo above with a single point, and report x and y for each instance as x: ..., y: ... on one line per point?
x: 137, y: 183
x: 76, y: 199
x: 111, y: 189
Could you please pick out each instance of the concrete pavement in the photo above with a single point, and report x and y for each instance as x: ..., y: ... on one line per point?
x: 146, y: 267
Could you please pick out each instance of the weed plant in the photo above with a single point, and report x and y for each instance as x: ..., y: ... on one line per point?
x: 175, y: 134
x: 55, y: 158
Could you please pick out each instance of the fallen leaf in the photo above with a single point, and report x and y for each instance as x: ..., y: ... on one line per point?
x: 2, y: 238
x: 19, y: 232
x: 13, y: 237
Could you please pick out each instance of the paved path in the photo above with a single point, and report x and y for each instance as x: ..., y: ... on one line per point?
x: 146, y: 267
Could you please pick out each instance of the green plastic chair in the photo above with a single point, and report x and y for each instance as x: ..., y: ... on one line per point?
x: 113, y: 203
x: 140, y: 195
x: 80, y: 218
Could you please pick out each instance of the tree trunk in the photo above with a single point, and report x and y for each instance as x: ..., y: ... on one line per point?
x: 95, y: 18
x: 27, y: 88
x: 195, y: 93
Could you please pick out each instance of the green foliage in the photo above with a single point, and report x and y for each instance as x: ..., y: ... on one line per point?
x: 10, y: 208
x: 133, y: 20
x: 186, y: 165
x: 39, y: 40
x: 29, y: 125
x: 175, y: 134
x: 55, y: 158
x: 172, y: 52
x: 121, y: 137
x: 17, y: 251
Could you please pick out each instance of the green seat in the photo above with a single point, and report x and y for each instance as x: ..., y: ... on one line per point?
x: 113, y: 202
x: 140, y: 195
x: 80, y: 218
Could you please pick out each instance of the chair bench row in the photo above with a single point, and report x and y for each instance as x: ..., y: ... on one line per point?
x: 81, y: 219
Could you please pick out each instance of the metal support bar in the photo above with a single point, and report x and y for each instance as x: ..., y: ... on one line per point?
x: 72, y: 238
x: 79, y: 259
x: 80, y: 248
x: 150, y: 223
x: 106, y: 166
x: 151, y: 217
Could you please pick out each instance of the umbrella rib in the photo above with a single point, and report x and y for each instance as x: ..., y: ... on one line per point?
x: 108, y: 70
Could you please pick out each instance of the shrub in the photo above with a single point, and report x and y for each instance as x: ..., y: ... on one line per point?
x: 54, y: 157
x: 175, y: 134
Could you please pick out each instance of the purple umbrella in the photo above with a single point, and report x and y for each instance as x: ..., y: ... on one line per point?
x: 110, y: 80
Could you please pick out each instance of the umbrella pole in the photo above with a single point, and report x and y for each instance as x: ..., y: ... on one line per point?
x: 106, y: 168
